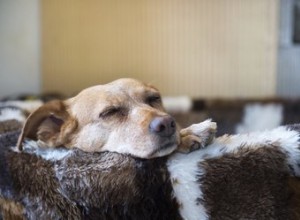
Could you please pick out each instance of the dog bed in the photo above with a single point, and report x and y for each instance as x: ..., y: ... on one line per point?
x: 248, y: 182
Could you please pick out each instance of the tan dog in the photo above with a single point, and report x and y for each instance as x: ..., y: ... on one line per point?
x: 124, y: 116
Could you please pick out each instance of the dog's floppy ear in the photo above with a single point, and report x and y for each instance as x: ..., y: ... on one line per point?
x: 50, y: 124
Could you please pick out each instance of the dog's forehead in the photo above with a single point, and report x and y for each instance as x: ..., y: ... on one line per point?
x: 119, y: 88
x: 130, y: 86
x: 116, y: 92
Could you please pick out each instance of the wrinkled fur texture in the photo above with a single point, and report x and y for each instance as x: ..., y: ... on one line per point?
x: 236, y: 177
x: 263, y: 193
x: 90, y: 186
x: 252, y: 182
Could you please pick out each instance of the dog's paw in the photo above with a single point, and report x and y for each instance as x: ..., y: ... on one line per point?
x: 197, y: 136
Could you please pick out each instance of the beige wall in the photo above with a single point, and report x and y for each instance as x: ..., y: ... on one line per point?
x: 202, y: 48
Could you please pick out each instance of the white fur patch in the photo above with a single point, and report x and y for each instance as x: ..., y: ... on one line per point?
x: 287, y: 140
x: 258, y: 117
x: 12, y: 114
x: 52, y: 154
x: 185, y: 171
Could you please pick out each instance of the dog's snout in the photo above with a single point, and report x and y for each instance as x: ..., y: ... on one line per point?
x: 163, y: 126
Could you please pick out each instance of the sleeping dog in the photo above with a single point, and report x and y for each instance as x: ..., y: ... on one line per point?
x: 249, y: 176
x: 124, y: 116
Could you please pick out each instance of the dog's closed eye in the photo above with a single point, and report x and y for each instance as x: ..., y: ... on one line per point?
x: 153, y: 100
x: 111, y: 111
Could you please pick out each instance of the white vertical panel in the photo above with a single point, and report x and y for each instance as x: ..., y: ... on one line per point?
x: 19, y: 47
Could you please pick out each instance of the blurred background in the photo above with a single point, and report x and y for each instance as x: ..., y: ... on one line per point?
x: 226, y: 53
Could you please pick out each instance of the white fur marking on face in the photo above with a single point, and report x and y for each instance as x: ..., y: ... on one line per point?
x: 165, y: 152
x: 258, y: 117
x: 12, y: 114
x: 91, y: 138
x: 52, y: 154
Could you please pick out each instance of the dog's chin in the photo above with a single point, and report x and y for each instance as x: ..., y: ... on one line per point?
x: 163, y: 150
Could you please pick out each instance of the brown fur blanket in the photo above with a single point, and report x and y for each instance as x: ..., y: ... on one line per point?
x: 253, y: 176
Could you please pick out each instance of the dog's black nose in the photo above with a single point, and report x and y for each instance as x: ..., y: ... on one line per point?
x: 163, y: 126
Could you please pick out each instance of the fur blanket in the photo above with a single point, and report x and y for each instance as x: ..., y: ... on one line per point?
x: 251, y: 176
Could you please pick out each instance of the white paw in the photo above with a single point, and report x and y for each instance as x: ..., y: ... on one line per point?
x: 197, y: 136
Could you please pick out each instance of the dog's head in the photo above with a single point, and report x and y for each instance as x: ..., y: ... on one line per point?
x: 124, y: 116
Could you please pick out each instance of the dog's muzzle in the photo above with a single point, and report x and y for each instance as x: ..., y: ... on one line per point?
x: 163, y: 126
